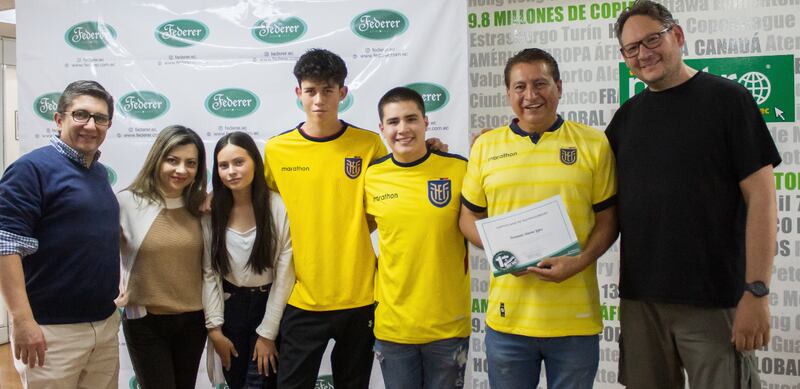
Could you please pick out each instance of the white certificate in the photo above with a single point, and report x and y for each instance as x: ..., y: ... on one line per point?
x: 523, y: 237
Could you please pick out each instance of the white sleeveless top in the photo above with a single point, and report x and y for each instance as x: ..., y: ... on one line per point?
x: 240, y: 245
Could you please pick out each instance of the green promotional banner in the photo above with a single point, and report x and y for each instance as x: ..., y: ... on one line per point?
x: 324, y: 382
x: 769, y: 78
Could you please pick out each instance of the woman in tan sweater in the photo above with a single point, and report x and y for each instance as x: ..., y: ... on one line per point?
x: 162, y: 262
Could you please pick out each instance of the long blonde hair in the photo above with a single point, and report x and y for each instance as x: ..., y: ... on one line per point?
x: 146, y: 183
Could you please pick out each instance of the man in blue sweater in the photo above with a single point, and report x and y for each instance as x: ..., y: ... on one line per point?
x: 59, y: 250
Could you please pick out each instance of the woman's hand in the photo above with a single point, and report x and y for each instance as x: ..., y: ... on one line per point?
x: 223, y: 346
x: 266, y: 356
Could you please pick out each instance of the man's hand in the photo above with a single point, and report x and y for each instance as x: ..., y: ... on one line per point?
x: 223, y: 346
x: 557, y: 269
x: 751, y: 323
x: 264, y: 355
x: 436, y: 144
x: 29, y: 343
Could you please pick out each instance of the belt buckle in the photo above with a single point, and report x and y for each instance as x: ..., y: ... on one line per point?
x: 262, y: 288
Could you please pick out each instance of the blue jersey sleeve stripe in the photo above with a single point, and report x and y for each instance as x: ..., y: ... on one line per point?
x: 448, y: 155
x: 381, y: 159
x: 605, y: 204
x: 472, y: 207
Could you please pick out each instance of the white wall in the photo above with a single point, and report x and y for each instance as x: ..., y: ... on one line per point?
x: 9, y: 101
x: 9, y: 145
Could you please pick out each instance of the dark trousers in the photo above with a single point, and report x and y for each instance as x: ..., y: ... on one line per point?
x: 244, y: 310
x: 305, y: 335
x: 166, y: 349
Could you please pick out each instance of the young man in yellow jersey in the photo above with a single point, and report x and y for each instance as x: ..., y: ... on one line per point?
x: 549, y: 313
x: 317, y: 167
x: 422, y: 287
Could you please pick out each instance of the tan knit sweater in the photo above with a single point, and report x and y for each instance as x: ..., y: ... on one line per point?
x: 167, y: 276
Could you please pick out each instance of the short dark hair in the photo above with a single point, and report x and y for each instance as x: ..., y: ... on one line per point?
x: 647, y: 8
x: 532, y: 55
x: 401, y: 93
x: 320, y: 65
x: 85, y: 87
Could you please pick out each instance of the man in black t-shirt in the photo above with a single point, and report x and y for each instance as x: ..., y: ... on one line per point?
x: 696, y: 203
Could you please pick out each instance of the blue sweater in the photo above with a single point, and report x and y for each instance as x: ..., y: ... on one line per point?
x: 73, y: 277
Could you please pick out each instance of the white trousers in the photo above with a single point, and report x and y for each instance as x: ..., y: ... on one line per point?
x: 80, y: 355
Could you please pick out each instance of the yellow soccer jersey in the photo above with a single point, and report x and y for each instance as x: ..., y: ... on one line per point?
x: 508, y: 169
x: 321, y: 181
x: 422, y: 287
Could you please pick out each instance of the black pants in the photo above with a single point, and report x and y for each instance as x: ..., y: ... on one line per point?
x: 166, y: 349
x: 305, y: 335
x: 244, y: 310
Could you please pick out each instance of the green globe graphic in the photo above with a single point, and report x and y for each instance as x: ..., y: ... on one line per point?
x: 758, y: 85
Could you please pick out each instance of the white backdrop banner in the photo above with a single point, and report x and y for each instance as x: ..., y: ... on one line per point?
x: 220, y: 66
x: 226, y: 65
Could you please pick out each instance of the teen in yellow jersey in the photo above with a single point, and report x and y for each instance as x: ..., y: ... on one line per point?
x: 422, y: 287
x: 549, y: 313
x: 317, y: 168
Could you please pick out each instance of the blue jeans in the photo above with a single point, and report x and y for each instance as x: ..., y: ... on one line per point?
x: 515, y: 361
x: 244, y: 310
x: 438, y: 364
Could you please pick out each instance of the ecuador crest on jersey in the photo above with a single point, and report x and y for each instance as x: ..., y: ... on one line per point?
x: 569, y: 155
x: 352, y: 167
x: 440, y: 192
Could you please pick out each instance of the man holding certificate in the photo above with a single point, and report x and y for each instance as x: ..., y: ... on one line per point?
x: 533, y: 178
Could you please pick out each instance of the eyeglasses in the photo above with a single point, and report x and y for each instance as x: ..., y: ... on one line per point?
x: 81, y: 116
x: 651, y: 42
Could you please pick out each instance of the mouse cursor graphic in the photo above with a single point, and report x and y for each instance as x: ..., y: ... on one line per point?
x: 779, y: 113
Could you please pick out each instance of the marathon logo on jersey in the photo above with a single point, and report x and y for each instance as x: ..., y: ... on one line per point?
x: 569, y: 155
x: 439, y: 192
x: 352, y: 166
x: 292, y: 169
x: 385, y: 196
x: 501, y: 156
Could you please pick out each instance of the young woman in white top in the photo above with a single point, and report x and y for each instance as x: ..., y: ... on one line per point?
x: 162, y: 250
x: 251, y: 272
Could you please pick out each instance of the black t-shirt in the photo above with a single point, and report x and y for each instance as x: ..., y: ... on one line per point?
x: 681, y: 154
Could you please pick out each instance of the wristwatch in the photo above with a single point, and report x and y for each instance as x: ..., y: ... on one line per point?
x: 757, y: 288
